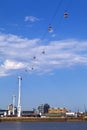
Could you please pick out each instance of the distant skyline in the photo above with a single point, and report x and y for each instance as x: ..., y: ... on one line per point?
x: 53, y: 64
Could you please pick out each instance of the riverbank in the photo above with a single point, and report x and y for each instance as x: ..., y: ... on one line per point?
x: 38, y: 119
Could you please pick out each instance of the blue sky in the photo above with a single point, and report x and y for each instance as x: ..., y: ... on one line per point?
x: 57, y: 77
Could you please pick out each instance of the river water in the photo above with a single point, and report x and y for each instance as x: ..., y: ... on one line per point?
x: 43, y: 125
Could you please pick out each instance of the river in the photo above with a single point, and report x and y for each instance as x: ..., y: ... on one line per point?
x: 43, y: 125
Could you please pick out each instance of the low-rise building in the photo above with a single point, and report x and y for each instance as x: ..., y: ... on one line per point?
x: 28, y: 113
x: 10, y: 110
x: 57, y: 110
x: 3, y: 112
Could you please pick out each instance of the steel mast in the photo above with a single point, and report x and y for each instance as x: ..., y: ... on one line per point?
x: 19, y: 96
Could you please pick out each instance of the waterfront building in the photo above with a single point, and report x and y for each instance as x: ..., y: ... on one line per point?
x: 3, y: 112
x: 43, y: 108
x: 46, y: 108
x: 71, y: 114
x: 57, y: 110
x: 10, y: 110
x: 28, y: 113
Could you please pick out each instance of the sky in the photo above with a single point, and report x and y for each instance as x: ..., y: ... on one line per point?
x: 52, y: 63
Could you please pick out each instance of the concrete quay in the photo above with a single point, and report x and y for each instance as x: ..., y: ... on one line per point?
x: 38, y: 119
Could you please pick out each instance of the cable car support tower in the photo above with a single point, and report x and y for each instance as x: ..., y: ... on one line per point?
x: 19, y: 96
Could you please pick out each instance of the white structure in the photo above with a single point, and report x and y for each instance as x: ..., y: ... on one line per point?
x: 9, y: 113
x: 19, y: 97
x: 13, y: 104
x: 70, y: 114
x: 5, y: 113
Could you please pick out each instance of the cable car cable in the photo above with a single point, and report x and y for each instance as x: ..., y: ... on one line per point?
x: 51, y: 21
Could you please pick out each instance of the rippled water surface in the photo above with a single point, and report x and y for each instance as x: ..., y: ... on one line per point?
x: 43, y: 126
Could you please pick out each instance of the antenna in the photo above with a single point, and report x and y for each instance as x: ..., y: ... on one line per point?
x: 19, y: 96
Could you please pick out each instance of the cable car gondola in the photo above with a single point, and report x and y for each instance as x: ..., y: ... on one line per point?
x: 34, y: 57
x: 43, y: 52
x: 65, y: 15
x: 50, y: 28
x: 32, y: 68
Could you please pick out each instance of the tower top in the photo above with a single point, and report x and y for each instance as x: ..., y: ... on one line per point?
x: 19, y: 77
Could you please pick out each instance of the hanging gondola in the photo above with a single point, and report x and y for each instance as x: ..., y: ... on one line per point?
x: 50, y: 28
x: 65, y: 15
x: 32, y: 68
x: 43, y: 52
x: 34, y: 57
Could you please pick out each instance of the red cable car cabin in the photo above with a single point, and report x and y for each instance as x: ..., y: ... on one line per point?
x: 65, y: 15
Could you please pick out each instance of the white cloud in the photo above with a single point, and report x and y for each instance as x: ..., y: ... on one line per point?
x: 31, y: 19
x: 9, y: 64
x: 17, y: 53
